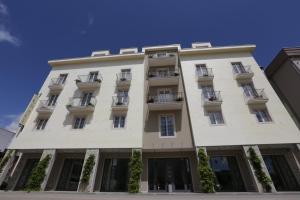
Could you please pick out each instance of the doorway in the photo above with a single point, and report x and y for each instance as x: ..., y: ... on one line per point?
x: 227, y: 173
x: 26, y: 172
x: 281, y: 173
x: 169, y: 175
x: 70, y: 175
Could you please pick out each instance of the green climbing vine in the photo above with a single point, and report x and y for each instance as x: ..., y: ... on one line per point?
x: 135, y: 171
x: 205, y: 172
x: 259, y: 173
x: 38, y: 174
x: 88, y: 168
x: 5, y: 160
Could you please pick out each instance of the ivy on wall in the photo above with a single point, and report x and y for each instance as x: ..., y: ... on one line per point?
x: 5, y: 160
x: 38, y: 174
x: 135, y: 171
x: 205, y: 172
x: 259, y: 173
x: 88, y: 168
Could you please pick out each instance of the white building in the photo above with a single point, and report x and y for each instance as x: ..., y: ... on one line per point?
x: 5, y: 139
x: 167, y: 102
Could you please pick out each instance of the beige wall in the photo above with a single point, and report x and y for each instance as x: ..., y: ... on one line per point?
x: 287, y: 81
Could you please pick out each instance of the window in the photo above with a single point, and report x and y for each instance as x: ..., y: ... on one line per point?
x: 238, y: 67
x: 165, y: 95
x: 262, y: 115
x: 119, y: 122
x: 216, y: 117
x: 167, y: 126
x: 122, y: 96
x: 41, y: 124
x: 62, y: 78
x: 249, y: 90
x: 202, y: 69
x: 125, y: 74
x: 79, y: 123
x: 93, y: 76
x: 52, y: 99
x: 86, y: 98
x: 209, y: 93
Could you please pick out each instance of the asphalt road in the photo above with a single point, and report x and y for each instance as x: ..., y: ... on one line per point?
x: 125, y: 196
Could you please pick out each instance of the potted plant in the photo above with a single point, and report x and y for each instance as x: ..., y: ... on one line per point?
x: 98, y: 80
x: 123, y: 79
x: 179, y: 99
x: 150, y: 100
x: 78, y: 81
x: 119, y: 103
x: 176, y: 74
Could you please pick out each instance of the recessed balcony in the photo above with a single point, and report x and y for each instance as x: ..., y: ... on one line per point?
x: 171, y: 101
x: 87, y: 82
x: 156, y: 78
x: 205, y: 76
x: 124, y: 79
x: 56, y: 84
x: 120, y: 103
x: 210, y: 99
x: 162, y: 59
x: 45, y: 107
x: 81, y: 105
x: 255, y: 96
x: 242, y: 73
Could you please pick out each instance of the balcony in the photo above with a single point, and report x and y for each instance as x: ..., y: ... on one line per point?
x: 205, y: 76
x: 45, y: 107
x: 87, y: 82
x: 56, y: 84
x: 162, y: 59
x: 156, y: 78
x: 243, y: 73
x: 256, y: 96
x: 124, y: 79
x: 211, y: 99
x: 120, y: 103
x: 81, y: 105
x: 165, y: 101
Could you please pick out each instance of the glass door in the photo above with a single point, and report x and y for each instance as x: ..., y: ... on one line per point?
x: 164, y: 95
x: 122, y: 96
x: 238, y: 68
x: 281, y: 173
x: 115, y: 175
x: 249, y: 90
x: 86, y: 99
x: 208, y: 92
x: 164, y: 72
x: 52, y: 100
x: 26, y: 172
x: 93, y: 76
x: 70, y: 175
x: 227, y: 173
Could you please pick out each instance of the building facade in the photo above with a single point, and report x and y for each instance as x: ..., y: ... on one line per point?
x: 6, y: 137
x: 166, y: 102
x: 284, y: 74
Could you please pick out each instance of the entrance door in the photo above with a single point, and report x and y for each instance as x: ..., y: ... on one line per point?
x: 27, y: 170
x: 169, y: 175
x: 227, y: 172
x: 115, y: 175
x: 70, y: 175
x: 281, y: 173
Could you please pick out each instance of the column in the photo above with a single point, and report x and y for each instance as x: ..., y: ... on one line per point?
x: 264, y: 168
x: 89, y: 187
x: 8, y: 158
x: 52, y: 153
x: 144, y: 177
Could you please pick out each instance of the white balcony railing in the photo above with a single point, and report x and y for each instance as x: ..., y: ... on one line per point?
x: 124, y: 78
x: 211, y: 98
x: 79, y: 104
x: 120, y: 102
x: 241, y: 73
x: 255, y: 96
x: 88, y: 81
x: 45, y: 106
x: 56, y: 84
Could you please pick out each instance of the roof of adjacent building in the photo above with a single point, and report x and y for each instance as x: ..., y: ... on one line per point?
x: 280, y: 58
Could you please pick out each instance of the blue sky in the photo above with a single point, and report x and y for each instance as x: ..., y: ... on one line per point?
x: 34, y: 31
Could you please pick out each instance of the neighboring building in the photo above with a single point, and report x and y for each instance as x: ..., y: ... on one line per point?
x: 167, y: 102
x: 5, y: 139
x: 284, y: 75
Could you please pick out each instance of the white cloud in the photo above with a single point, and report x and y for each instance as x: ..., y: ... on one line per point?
x: 3, y: 9
x: 5, y: 33
x: 14, y: 122
x: 6, y: 36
